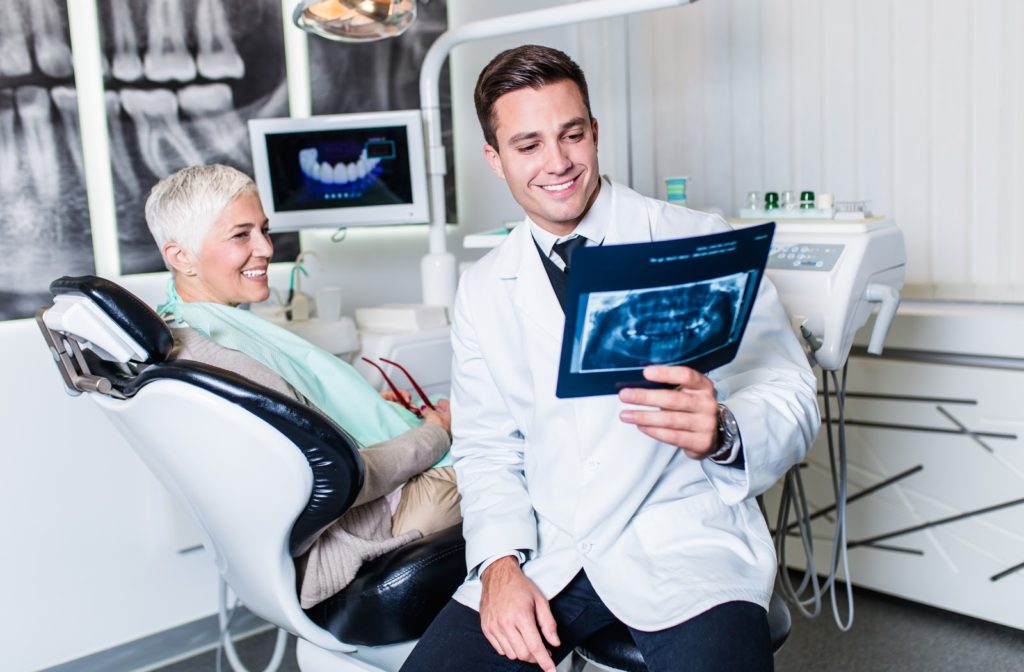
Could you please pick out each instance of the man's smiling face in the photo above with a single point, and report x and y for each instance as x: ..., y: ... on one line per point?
x: 547, y: 152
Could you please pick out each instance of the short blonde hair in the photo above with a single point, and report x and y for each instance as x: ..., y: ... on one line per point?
x: 183, y: 206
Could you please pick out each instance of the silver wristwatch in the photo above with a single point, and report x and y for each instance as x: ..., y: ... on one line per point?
x: 728, y: 432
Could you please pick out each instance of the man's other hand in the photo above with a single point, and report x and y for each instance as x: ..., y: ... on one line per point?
x: 687, y: 415
x: 511, y: 609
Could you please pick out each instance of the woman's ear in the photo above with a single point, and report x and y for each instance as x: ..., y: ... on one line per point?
x: 178, y: 258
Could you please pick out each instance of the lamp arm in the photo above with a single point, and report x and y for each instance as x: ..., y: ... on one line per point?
x: 430, y: 75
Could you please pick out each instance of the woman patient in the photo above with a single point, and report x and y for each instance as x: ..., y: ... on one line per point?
x: 211, y: 230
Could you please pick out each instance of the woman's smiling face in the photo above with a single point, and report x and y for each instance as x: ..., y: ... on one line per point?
x: 232, y: 264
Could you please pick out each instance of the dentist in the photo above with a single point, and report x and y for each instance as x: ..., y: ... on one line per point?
x: 581, y: 512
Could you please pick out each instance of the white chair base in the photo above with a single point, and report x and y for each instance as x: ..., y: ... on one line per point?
x: 312, y: 658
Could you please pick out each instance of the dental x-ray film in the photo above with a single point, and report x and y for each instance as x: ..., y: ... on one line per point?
x: 673, y: 302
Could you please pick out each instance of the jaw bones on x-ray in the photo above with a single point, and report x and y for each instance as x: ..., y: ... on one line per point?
x: 44, y: 216
x: 658, y: 325
x: 182, y: 77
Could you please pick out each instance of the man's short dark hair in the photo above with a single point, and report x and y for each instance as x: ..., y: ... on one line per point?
x: 530, y: 66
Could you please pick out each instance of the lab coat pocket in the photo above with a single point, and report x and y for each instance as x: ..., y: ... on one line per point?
x: 699, y: 540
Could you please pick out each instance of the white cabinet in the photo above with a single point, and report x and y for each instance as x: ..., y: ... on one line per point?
x: 946, y: 420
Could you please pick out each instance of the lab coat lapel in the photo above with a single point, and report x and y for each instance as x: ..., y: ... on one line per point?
x: 627, y: 225
x: 532, y: 293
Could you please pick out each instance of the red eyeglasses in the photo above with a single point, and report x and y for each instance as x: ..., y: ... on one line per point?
x: 398, y: 392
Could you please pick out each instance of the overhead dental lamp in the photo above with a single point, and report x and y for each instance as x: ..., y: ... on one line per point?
x: 355, y: 20
x: 438, y: 266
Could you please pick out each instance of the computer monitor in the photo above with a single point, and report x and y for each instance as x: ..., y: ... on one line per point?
x: 341, y: 170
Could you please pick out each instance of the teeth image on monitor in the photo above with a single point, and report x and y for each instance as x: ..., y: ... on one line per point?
x: 307, y: 159
x: 340, y: 173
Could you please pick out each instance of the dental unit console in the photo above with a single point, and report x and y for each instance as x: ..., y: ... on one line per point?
x: 830, y: 275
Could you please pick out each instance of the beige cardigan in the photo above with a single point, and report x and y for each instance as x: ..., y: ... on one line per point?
x: 364, y: 532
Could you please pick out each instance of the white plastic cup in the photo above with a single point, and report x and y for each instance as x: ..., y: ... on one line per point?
x: 328, y: 303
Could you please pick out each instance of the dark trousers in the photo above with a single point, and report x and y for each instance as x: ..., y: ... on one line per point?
x: 730, y: 637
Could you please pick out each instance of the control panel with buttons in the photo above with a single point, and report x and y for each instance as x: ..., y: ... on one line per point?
x: 804, y: 257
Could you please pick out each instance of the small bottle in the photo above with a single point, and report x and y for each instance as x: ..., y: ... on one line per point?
x: 753, y: 200
x: 788, y: 200
x: 806, y: 200
x: 771, y: 200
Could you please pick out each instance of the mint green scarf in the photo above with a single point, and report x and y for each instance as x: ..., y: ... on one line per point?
x: 329, y: 383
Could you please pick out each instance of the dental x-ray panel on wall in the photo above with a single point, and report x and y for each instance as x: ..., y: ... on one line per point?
x: 382, y: 76
x: 182, y: 77
x: 44, y: 215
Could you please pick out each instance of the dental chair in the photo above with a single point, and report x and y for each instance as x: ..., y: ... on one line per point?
x: 261, y: 473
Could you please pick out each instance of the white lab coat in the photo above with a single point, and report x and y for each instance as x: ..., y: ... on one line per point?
x: 661, y: 537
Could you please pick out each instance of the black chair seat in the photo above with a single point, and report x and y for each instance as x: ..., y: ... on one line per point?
x: 613, y: 646
x: 396, y: 596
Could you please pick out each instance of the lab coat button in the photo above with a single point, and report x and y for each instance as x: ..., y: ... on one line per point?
x: 585, y: 547
x: 590, y: 466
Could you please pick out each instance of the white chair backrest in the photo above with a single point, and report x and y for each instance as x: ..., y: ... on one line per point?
x: 242, y: 479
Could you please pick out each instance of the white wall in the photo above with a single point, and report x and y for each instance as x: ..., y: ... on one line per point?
x: 88, y: 561
x: 916, y: 105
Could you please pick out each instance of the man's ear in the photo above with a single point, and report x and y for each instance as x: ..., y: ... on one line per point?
x: 494, y: 160
x: 178, y: 258
x: 593, y: 129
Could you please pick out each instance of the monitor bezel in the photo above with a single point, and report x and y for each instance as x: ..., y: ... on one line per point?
x: 417, y: 212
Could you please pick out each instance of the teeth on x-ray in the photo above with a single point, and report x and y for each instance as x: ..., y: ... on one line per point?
x: 217, y: 57
x: 163, y: 142
x: 213, y: 109
x: 53, y: 54
x: 40, y: 149
x: 127, y: 66
x: 8, y: 144
x: 65, y: 98
x: 167, y: 57
x: 119, y: 155
x: 663, y: 325
x: 14, y: 57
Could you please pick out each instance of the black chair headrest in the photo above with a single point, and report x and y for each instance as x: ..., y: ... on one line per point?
x: 129, y: 313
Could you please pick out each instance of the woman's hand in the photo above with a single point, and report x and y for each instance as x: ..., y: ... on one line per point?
x: 440, y: 415
x: 388, y: 395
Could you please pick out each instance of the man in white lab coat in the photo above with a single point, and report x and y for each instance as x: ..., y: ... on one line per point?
x: 579, y: 512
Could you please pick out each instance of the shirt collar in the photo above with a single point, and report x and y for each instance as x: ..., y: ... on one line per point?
x: 593, y: 226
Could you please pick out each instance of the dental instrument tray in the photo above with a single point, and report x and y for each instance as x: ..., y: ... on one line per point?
x: 672, y: 302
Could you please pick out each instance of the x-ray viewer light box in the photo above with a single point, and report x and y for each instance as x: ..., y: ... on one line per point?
x: 685, y: 301
x: 341, y: 170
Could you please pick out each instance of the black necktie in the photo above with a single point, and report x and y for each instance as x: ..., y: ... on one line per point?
x: 565, y: 248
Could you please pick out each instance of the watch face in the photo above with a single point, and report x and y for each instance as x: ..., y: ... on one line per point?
x: 727, y: 425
